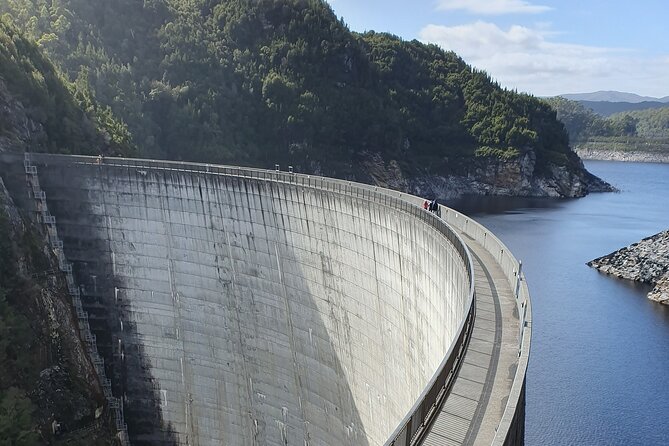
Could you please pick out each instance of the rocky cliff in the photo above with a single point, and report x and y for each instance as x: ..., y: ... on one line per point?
x: 518, y: 176
x: 646, y: 261
x: 18, y: 131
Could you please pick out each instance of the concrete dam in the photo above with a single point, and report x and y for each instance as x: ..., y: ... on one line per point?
x: 250, y: 307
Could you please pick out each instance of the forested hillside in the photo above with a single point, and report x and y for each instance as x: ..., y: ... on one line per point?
x: 259, y: 82
x: 607, y: 109
x: 630, y: 131
x: 653, y: 123
x: 42, y: 111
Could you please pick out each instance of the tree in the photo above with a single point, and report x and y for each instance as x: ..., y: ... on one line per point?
x: 625, y: 124
x: 16, y: 422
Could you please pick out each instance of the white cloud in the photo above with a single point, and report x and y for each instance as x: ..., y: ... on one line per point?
x: 526, y: 59
x: 492, y: 7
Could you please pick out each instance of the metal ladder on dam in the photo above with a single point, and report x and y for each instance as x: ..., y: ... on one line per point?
x: 49, y: 223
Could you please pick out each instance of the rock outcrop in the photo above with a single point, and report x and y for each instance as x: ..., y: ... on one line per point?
x: 646, y: 261
x: 18, y: 131
x: 517, y: 176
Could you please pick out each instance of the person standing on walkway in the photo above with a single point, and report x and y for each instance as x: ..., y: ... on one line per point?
x: 434, y: 207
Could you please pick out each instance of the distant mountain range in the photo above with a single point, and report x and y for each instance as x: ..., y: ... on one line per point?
x: 607, y: 109
x: 613, y: 96
x: 607, y: 103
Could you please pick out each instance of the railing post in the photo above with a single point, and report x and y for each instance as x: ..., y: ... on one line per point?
x: 518, y: 279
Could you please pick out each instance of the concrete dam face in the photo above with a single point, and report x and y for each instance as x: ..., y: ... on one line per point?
x: 250, y: 311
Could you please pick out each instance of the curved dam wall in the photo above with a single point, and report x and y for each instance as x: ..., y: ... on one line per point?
x: 236, y: 310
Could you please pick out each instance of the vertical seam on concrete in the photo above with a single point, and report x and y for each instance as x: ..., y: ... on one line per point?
x: 378, y: 295
x: 233, y: 291
x: 351, y: 427
x: 291, y: 337
x: 164, y: 202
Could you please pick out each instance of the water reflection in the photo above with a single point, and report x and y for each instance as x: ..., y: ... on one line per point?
x: 483, y: 205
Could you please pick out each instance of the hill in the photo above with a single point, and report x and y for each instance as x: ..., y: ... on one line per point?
x: 612, y: 96
x: 606, y: 108
x: 270, y: 81
x: 41, y: 111
x: 641, y: 135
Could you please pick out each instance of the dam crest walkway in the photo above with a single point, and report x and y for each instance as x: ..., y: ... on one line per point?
x: 472, y: 412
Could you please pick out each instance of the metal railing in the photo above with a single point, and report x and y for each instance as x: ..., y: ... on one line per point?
x: 512, y: 269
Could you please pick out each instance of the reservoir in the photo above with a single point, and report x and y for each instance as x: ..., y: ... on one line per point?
x: 599, y: 364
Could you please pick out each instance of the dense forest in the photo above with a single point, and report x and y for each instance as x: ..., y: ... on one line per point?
x: 650, y: 123
x: 646, y: 130
x: 259, y: 82
x: 64, y: 115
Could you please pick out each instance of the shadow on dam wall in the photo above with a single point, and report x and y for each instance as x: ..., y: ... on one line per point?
x: 89, y: 250
x: 251, y: 312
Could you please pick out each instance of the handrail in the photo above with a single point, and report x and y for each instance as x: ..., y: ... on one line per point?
x: 512, y: 269
x: 417, y: 419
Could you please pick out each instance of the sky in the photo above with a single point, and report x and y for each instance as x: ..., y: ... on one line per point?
x: 540, y: 47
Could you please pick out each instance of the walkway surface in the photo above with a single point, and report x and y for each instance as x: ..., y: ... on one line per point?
x: 471, y: 413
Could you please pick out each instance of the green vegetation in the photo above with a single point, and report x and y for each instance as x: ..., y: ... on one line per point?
x: 72, y: 121
x: 650, y: 123
x: 581, y: 123
x: 31, y: 345
x: 256, y: 82
x: 607, y: 109
x: 16, y: 419
x: 640, y: 130
x: 17, y: 413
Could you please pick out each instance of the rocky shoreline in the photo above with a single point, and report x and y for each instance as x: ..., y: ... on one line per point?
x: 617, y: 155
x: 646, y: 261
x: 487, y: 176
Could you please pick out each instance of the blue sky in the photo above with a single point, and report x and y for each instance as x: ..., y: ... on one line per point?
x: 541, y: 47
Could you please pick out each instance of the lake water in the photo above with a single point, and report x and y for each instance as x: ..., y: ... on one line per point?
x: 599, y: 364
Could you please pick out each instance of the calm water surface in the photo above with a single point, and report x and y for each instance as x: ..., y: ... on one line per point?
x: 599, y: 364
